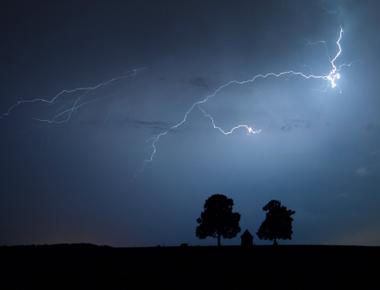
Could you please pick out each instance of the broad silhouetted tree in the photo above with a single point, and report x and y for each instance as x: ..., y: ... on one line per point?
x: 217, y: 219
x: 277, y: 223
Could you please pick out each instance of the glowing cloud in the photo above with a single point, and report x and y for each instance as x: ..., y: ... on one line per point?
x: 332, y: 77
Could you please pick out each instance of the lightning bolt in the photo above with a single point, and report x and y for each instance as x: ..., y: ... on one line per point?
x: 249, y: 129
x: 65, y: 115
x: 334, y: 74
x: 331, y: 78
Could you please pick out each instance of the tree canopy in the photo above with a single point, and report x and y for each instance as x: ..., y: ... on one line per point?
x: 277, y: 223
x: 217, y: 219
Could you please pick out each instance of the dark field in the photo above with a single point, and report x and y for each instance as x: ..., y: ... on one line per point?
x: 262, y: 267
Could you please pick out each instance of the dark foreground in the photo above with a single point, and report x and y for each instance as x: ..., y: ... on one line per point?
x: 262, y: 267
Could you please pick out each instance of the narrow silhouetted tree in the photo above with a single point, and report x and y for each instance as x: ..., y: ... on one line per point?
x: 277, y: 223
x: 217, y: 219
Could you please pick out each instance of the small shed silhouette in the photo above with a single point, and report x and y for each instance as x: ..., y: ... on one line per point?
x: 246, y: 239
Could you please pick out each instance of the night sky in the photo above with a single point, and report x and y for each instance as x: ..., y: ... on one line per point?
x: 318, y: 152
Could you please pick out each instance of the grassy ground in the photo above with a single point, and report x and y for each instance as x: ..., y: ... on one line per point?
x: 261, y: 267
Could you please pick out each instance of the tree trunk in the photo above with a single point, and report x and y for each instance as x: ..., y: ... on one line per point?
x: 219, y: 244
x: 275, y: 242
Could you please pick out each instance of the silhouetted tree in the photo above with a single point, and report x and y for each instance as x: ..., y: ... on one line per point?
x: 217, y: 219
x: 277, y: 223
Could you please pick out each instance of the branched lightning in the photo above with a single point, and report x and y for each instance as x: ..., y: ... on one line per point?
x: 65, y: 115
x: 249, y: 129
x: 332, y: 77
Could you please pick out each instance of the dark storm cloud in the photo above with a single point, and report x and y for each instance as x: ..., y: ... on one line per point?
x: 200, y: 82
x: 330, y: 7
x: 293, y: 124
x: 73, y: 183
x: 371, y: 127
x: 156, y: 125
